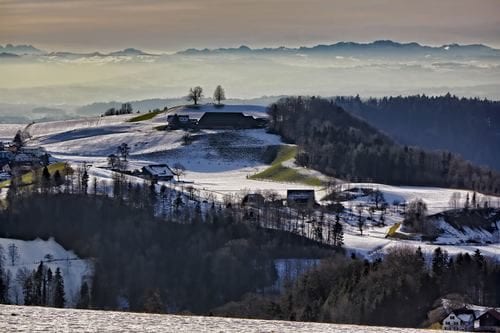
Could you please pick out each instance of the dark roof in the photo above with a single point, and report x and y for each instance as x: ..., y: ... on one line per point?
x: 159, y: 170
x: 253, y: 197
x: 463, y: 311
x: 492, y: 312
x: 308, y: 192
x: 302, y: 195
x: 226, y: 119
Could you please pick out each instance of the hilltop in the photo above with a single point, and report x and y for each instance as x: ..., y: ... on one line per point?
x: 220, y: 163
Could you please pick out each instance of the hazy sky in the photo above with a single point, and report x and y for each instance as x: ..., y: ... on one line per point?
x: 172, y: 25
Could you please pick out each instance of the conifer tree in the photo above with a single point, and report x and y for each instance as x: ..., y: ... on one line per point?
x: 18, y: 139
x: 46, y: 178
x: 58, y: 290
x: 439, y: 262
x: 85, y: 182
x: 338, y: 234
x: 58, y: 180
x: 84, y: 301
x: 38, y: 279
x: 49, y: 283
x: 28, y: 294
x: 3, y: 287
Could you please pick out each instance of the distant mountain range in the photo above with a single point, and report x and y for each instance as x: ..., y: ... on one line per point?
x: 10, y: 50
x: 376, y: 48
x: 20, y: 50
x: 380, y: 47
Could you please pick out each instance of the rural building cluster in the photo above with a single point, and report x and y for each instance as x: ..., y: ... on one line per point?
x: 15, y: 158
x: 471, y: 320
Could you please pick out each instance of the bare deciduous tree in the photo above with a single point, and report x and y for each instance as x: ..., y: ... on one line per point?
x: 123, y: 151
x: 455, y: 200
x: 179, y: 170
x: 361, y: 219
x: 195, y: 94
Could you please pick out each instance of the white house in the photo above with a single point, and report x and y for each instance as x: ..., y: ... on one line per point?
x: 459, y: 320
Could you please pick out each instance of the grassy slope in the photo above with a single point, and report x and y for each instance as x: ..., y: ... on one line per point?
x: 278, y: 172
x: 145, y: 116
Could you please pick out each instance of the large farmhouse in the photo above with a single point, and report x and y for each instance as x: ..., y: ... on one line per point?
x: 229, y: 120
x: 459, y: 320
x: 472, y: 320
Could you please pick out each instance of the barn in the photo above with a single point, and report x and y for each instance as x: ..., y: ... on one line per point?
x: 228, y: 120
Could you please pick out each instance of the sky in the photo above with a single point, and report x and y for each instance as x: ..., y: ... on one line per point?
x: 171, y: 25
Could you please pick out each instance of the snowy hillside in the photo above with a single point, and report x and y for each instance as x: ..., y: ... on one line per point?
x: 53, y: 255
x: 30, y: 319
x: 220, y: 163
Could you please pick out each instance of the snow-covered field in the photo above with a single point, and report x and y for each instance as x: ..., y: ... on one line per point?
x: 39, y: 319
x: 219, y: 163
x: 53, y: 255
x: 436, y: 199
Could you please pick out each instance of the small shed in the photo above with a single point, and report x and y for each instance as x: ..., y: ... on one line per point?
x: 176, y: 121
x: 253, y: 199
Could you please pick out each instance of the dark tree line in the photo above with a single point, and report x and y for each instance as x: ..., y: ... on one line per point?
x: 152, y: 263
x: 39, y: 287
x: 466, y: 126
x: 126, y: 108
x: 44, y: 288
x: 339, y: 144
x: 398, y: 290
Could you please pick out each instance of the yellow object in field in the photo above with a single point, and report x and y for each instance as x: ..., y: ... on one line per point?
x: 393, y: 229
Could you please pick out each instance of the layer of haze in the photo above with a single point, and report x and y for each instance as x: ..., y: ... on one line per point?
x: 60, y: 80
x: 159, y: 26
x: 170, y: 25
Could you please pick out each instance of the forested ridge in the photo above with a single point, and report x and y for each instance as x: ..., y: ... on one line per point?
x: 144, y: 263
x: 339, y: 144
x: 399, y: 290
x: 466, y: 126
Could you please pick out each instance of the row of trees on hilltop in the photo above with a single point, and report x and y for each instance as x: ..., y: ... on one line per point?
x: 126, y: 108
x: 196, y: 94
x: 339, y: 144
